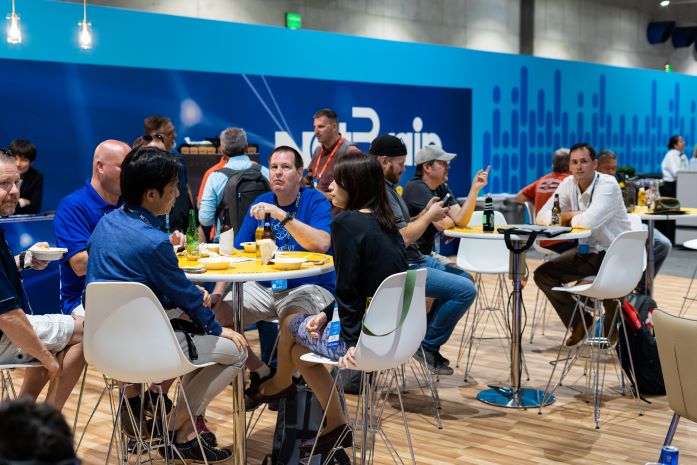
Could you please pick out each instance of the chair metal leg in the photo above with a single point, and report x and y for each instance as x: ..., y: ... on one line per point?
x: 671, y: 429
x: 483, y: 310
x: 685, y: 306
x: 425, y: 374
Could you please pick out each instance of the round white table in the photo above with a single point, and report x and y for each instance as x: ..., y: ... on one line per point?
x: 651, y: 218
x: 238, y: 274
x: 514, y: 396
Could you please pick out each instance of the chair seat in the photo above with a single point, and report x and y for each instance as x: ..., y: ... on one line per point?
x: 501, y: 269
x: 11, y: 366
x: 311, y: 357
x: 692, y: 244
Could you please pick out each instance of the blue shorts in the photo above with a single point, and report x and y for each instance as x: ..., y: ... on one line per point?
x: 298, y: 329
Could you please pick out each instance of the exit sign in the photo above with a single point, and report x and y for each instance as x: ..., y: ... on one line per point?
x: 294, y: 20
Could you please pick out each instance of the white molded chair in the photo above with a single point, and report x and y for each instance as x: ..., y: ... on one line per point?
x: 380, y: 357
x: 7, y: 388
x: 129, y: 338
x: 676, y: 339
x: 479, y: 256
x: 618, y: 275
x: 688, y: 299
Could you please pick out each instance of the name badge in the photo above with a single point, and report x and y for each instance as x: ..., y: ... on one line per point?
x: 279, y: 284
x: 584, y: 247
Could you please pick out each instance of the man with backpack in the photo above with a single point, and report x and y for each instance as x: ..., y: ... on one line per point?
x: 236, y: 185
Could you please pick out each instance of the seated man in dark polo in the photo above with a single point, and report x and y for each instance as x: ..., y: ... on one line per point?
x: 127, y: 245
x: 53, y: 340
x: 300, y: 219
x: 430, y: 180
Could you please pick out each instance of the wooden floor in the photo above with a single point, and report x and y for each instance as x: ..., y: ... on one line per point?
x: 474, y: 433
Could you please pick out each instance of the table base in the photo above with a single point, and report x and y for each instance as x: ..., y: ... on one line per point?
x: 505, y: 396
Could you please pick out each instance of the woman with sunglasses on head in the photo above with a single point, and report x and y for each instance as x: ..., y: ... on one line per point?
x: 367, y: 249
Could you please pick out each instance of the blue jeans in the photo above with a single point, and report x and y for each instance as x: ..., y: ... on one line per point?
x: 454, y: 292
x: 661, y: 248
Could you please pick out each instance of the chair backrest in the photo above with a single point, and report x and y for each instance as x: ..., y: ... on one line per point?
x: 483, y: 256
x: 677, y: 349
x: 621, y: 268
x: 128, y: 336
x: 636, y: 225
x: 530, y: 208
x: 476, y: 218
x: 375, y: 353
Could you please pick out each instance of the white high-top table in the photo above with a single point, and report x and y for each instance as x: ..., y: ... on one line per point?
x: 651, y: 218
x: 514, y: 396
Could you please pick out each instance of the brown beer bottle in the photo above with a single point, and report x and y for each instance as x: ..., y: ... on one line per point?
x: 268, y: 232
x: 556, y: 211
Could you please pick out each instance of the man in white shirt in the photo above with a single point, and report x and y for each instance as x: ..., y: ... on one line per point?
x: 592, y: 200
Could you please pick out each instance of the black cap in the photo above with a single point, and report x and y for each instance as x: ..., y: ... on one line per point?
x: 388, y: 145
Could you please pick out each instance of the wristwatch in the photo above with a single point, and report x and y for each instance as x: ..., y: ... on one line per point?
x: 24, y: 259
x: 287, y: 219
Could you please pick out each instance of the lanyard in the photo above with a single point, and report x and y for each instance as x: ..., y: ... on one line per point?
x: 139, y: 215
x: 331, y: 155
x: 281, y: 231
x: 578, y: 197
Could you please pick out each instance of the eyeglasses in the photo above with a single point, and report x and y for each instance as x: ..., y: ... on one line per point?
x: 149, y: 138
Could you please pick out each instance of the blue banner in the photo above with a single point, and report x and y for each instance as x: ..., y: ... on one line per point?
x: 67, y: 109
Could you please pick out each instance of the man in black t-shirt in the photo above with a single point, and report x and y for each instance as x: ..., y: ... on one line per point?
x: 432, y: 166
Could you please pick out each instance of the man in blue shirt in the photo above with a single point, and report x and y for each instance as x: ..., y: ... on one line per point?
x: 53, y: 340
x: 78, y: 214
x: 233, y: 143
x: 127, y: 245
x: 300, y: 219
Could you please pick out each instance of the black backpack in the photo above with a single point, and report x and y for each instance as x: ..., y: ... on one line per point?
x: 241, y: 190
x: 298, y: 419
x: 642, y: 343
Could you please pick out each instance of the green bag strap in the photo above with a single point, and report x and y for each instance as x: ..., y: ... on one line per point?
x: 406, y: 303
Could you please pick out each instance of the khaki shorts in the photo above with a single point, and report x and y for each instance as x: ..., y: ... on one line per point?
x: 54, y: 331
x: 261, y: 303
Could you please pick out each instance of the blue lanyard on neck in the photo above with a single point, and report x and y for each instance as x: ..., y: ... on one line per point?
x: 136, y: 214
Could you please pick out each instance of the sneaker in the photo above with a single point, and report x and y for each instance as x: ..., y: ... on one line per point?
x: 431, y: 362
x: 442, y: 360
x: 191, y: 451
x: 151, y: 399
x: 203, y: 431
x: 126, y: 423
x: 256, y: 380
x: 578, y: 332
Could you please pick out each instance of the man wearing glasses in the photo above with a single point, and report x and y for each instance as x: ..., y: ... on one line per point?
x: 53, y: 340
x: 430, y: 180
x: 162, y: 127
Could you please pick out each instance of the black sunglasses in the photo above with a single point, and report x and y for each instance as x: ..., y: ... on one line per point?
x: 149, y: 138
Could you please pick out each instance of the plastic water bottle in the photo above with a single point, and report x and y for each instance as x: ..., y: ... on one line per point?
x: 334, y: 329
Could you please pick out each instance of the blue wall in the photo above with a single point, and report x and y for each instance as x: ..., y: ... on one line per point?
x: 522, y: 107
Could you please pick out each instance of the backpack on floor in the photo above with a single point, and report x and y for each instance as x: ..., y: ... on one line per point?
x: 641, y: 342
x: 298, y: 419
x: 241, y: 190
